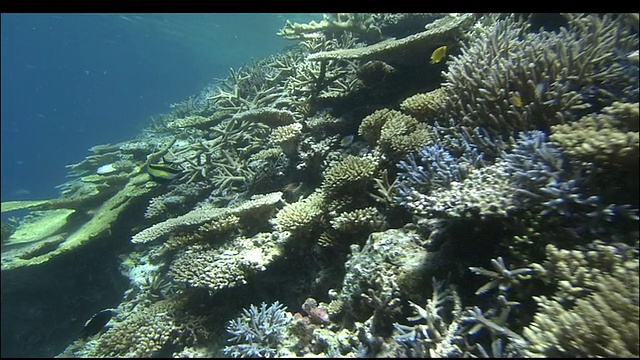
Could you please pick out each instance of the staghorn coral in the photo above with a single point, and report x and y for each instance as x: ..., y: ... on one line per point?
x: 313, y: 84
x: 501, y: 277
x: 440, y: 335
x: 433, y: 168
x: 258, y: 332
x: 545, y: 180
x: 508, y: 78
x: 595, y: 310
x: 350, y: 175
x: 610, y: 137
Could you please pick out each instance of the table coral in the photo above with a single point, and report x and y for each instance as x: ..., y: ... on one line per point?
x: 205, y: 213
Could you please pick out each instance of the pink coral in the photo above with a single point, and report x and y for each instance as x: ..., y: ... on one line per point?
x: 316, y: 314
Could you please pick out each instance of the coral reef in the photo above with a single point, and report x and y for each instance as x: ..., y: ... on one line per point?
x: 206, y: 213
x: 258, y: 332
x: 610, y: 137
x: 594, y: 309
x: 425, y: 105
x: 350, y: 175
x: 402, y: 207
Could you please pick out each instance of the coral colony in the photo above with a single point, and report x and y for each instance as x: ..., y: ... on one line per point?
x: 431, y: 184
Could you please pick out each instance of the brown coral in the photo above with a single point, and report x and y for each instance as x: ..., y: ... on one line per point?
x: 425, y: 105
x: 595, y: 311
x: 348, y: 176
x: 397, y: 133
x: 610, y: 137
x: 300, y: 216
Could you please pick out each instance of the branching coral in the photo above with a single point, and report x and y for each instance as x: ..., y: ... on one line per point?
x: 258, y: 332
x: 359, y: 220
x: 286, y: 137
x: 595, y: 311
x: 394, y: 131
x: 433, y: 168
x: 611, y: 137
x: 302, y: 215
x: 147, y: 330
x: 502, y: 278
x: 425, y: 105
x: 226, y: 265
x: 350, y: 175
x: 438, y: 335
x: 509, y: 78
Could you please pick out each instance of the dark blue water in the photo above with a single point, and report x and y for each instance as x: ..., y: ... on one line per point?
x: 72, y: 81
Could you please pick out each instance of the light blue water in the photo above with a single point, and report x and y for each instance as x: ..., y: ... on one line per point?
x: 72, y: 81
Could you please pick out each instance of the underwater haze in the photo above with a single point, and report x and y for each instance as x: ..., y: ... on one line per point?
x: 383, y: 185
x: 73, y: 81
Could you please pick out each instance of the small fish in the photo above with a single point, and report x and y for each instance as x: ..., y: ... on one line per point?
x: 516, y: 100
x: 439, y: 54
x: 163, y: 172
x: 346, y: 141
x: 96, y: 323
x: 292, y: 191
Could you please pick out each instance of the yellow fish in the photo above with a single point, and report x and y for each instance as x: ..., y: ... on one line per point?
x: 439, y: 54
x: 516, y: 100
